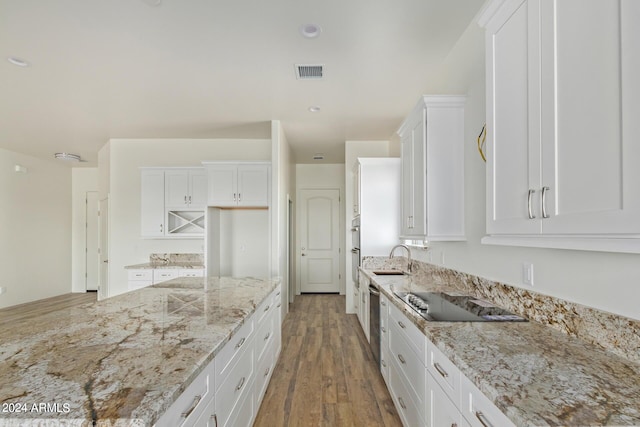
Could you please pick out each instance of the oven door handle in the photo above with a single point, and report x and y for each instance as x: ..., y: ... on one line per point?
x: 354, y: 251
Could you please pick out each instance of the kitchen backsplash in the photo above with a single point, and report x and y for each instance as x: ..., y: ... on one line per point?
x: 615, y: 333
x: 176, y: 258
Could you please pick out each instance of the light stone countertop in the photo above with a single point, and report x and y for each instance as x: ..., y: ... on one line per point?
x: 535, y: 375
x: 165, y: 265
x: 127, y: 357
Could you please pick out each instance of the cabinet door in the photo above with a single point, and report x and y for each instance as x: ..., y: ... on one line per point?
x: 176, y: 188
x: 419, y: 177
x: 253, y: 185
x: 407, y: 183
x: 222, y: 185
x: 513, y: 140
x: 443, y: 411
x: 591, y: 182
x: 152, y: 203
x: 356, y: 189
x: 197, y: 189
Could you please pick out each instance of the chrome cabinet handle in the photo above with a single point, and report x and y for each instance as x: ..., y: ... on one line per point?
x: 544, y: 202
x: 214, y: 418
x: 383, y: 363
x: 279, y: 305
x: 402, y: 359
x: 402, y: 325
x: 267, y: 371
x: 529, y: 207
x: 240, y: 384
x: 266, y: 337
x: 440, y: 369
x: 382, y: 303
x: 185, y: 200
x: 402, y: 403
x: 240, y: 343
x: 234, y: 197
x: 383, y: 329
x: 189, y: 199
x: 195, y: 402
x: 483, y: 420
x: 267, y: 308
x: 161, y: 228
x: 354, y: 251
x: 239, y: 197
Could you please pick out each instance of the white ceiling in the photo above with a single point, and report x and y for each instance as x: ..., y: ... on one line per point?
x: 103, y: 69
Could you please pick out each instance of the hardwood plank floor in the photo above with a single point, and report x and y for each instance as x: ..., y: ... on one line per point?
x: 326, y: 374
x: 36, y: 308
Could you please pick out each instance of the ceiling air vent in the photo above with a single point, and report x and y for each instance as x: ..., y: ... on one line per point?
x: 309, y: 71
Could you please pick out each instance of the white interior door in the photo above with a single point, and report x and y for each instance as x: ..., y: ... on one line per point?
x: 92, y: 242
x: 319, y: 232
x: 103, y: 288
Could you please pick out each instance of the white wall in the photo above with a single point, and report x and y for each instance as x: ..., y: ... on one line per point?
x: 82, y: 180
x: 607, y: 281
x: 35, y: 218
x: 353, y: 150
x: 126, y: 157
x: 326, y: 176
x: 283, y: 188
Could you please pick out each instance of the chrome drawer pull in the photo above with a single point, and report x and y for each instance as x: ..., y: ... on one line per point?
x: 440, y: 370
x: 267, y: 371
x: 544, y: 202
x: 279, y: 305
x: 402, y: 325
x: 382, y: 303
x: 383, y: 363
x: 483, y: 420
x: 188, y: 412
x: 267, y: 308
x: 401, y: 358
x: 383, y: 329
x: 531, y: 215
x: 240, y: 343
x: 266, y: 337
x: 240, y: 384
x: 278, y: 294
x: 402, y: 403
x: 214, y: 418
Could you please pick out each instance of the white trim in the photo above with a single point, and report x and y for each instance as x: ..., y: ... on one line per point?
x: 588, y: 243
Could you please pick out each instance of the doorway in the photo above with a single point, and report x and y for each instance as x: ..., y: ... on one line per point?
x: 103, y: 214
x: 92, y: 243
x: 319, y: 232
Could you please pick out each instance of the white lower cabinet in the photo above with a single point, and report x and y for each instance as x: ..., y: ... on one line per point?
x: 143, y: 277
x: 426, y: 387
x: 230, y: 389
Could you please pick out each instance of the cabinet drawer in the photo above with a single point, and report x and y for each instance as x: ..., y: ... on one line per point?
x: 190, y: 404
x: 405, y: 405
x: 245, y: 410
x: 445, y: 373
x: 443, y: 411
x: 478, y: 410
x: 192, y: 272
x: 413, y: 335
x: 239, y: 379
x: 263, y: 373
x: 408, y: 365
x: 265, y: 336
x: 163, y: 275
x: 146, y: 274
x: 232, y: 350
x: 264, y: 310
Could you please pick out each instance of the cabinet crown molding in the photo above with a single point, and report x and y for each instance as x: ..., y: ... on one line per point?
x: 427, y: 101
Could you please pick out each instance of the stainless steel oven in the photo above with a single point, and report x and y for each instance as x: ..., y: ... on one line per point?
x: 355, y: 248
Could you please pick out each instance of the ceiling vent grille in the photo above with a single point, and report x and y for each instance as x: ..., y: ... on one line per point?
x: 309, y: 71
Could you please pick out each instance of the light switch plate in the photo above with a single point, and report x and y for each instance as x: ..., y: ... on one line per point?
x: 527, y: 273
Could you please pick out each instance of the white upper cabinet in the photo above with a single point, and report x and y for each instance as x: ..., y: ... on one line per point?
x: 238, y: 184
x: 432, y: 156
x: 562, y: 106
x: 152, y: 203
x: 186, y: 188
x: 172, y: 202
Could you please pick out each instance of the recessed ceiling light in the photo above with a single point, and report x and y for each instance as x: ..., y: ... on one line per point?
x: 67, y: 157
x: 314, y: 109
x: 17, y: 61
x: 310, y: 31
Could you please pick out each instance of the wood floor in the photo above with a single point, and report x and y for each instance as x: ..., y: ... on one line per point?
x: 44, y: 306
x: 326, y: 375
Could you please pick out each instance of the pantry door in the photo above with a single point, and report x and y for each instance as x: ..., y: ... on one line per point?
x: 319, y: 231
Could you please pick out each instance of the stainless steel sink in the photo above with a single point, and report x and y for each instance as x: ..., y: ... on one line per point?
x: 388, y: 272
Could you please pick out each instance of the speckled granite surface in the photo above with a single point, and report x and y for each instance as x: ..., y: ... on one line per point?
x: 535, y: 374
x: 171, y: 261
x: 127, y: 357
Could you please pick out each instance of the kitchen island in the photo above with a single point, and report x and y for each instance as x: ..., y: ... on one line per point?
x: 125, y: 358
x: 535, y: 375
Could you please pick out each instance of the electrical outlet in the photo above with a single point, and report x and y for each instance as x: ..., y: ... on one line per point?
x: 2, y: 290
x: 527, y: 273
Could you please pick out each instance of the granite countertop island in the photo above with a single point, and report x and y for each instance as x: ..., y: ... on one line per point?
x: 125, y: 358
x: 535, y: 375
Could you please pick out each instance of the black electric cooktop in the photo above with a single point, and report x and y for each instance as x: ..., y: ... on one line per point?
x: 443, y: 307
